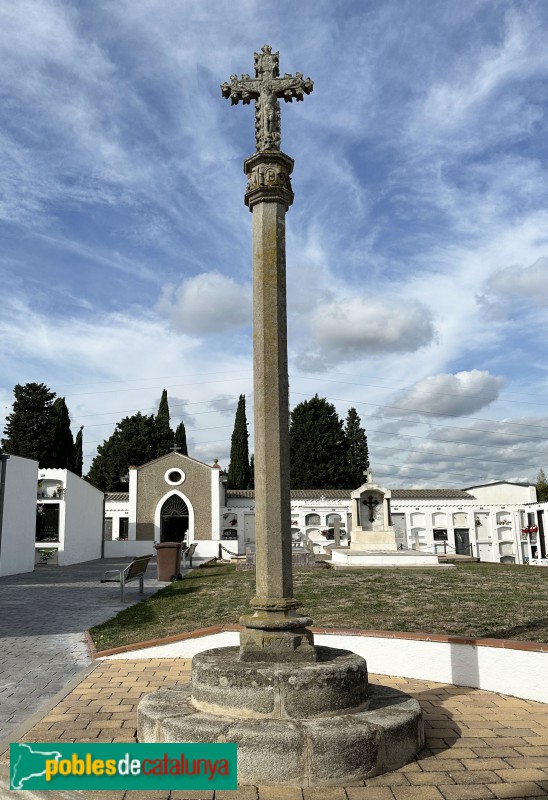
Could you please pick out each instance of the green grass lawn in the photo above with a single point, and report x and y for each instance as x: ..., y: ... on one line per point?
x: 480, y: 600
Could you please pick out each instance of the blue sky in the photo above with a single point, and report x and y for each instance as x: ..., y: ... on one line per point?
x: 417, y: 246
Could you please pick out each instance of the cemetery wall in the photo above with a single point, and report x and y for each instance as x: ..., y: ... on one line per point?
x: 504, y: 492
x: 83, y: 525
x: 19, y: 516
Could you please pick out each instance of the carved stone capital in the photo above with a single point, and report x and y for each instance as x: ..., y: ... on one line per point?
x: 268, y: 179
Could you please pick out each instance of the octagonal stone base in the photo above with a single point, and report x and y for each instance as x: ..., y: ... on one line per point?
x: 331, y: 744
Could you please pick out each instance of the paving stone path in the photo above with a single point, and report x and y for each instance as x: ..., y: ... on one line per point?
x: 478, y: 744
x: 43, y: 616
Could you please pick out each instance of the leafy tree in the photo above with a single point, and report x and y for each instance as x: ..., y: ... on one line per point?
x: 317, y: 446
x: 357, y: 449
x: 542, y: 486
x: 162, y: 430
x: 180, y: 438
x: 62, y: 446
x: 28, y: 431
x: 238, y: 475
x: 132, y: 443
x: 79, y: 452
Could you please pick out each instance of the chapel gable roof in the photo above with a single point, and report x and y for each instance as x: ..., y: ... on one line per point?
x: 179, y: 455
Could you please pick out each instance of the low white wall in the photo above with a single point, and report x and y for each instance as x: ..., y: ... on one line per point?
x: 134, y: 548
x: 519, y: 673
x: 19, y: 518
x: 83, y: 531
x: 128, y: 547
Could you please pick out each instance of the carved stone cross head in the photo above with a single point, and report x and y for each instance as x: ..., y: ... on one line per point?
x: 265, y: 88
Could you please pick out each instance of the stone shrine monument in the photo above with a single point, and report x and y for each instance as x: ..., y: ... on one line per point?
x: 371, y: 528
x: 373, y: 540
x: 301, y: 715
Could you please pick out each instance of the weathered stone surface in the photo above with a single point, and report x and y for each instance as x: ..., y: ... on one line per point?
x: 267, y: 644
x: 277, y: 750
x: 265, y: 88
x: 155, y: 708
x: 268, y: 179
x: 223, y: 685
x: 393, y: 713
x: 340, y: 750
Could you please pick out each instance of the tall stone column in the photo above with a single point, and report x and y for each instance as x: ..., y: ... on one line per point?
x: 295, y: 723
x: 272, y: 632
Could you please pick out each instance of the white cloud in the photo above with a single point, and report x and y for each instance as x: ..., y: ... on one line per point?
x: 225, y: 404
x: 207, y: 303
x: 353, y: 328
x: 458, y: 394
x: 530, y: 283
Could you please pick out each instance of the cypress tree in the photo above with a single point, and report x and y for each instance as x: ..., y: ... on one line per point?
x: 28, y: 430
x: 357, y: 449
x: 180, y: 438
x: 252, y: 471
x: 238, y: 475
x: 79, y: 452
x: 317, y: 446
x: 62, y: 448
x: 132, y: 443
x: 162, y: 430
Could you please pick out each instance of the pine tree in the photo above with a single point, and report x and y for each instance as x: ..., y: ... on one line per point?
x: 542, y: 486
x: 79, y: 452
x: 132, y: 443
x: 238, y: 476
x: 180, y: 439
x: 162, y: 430
x: 317, y: 446
x: 357, y: 449
x: 28, y: 430
x: 62, y: 448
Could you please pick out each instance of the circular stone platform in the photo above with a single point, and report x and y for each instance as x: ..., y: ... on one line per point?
x: 302, y: 725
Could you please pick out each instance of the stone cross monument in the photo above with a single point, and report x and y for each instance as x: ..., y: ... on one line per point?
x: 300, y: 715
x: 273, y: 632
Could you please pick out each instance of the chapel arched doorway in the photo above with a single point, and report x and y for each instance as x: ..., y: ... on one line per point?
x: 174, y: 519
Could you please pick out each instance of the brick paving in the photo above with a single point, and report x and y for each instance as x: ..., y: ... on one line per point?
x: 478, y: 744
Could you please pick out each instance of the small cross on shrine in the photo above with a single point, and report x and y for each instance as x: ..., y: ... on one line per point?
x: 371, y: 503
x: 176, y: 448
x: 265, y: 88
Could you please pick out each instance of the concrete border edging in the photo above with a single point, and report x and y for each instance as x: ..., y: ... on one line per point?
x: 508, y: 667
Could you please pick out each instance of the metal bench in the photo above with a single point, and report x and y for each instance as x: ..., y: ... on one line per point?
x: 135, y: 570
x: 188, y: 553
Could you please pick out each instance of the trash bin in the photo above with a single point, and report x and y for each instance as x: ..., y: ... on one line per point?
x: 168, y: 565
